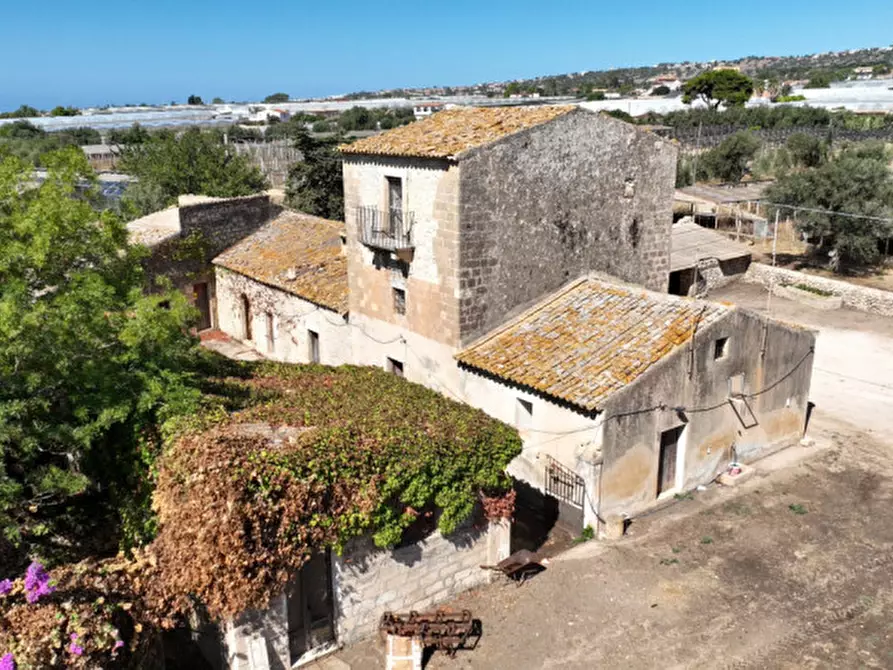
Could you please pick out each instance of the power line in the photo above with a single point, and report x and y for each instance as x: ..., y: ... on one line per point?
x: 817, y: 210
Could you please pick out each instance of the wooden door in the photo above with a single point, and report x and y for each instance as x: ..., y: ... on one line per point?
x: 669, y: 454
x: 203, y: 304
x: 246, y: 318
x: 311, y: 620
x: 395, y: 204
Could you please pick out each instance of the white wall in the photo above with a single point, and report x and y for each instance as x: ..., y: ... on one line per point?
x: 292, y: 318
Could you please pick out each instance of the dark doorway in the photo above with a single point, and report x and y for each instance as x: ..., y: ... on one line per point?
x: 313, y: 346
x: 311, y: 621
x: 203, y: 304
x: 395, y: 205
x: 536, y: 523
x: 669, y: 453
x: 246, y: 318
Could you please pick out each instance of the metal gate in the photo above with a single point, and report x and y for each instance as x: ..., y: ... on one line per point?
x: 563, y: 483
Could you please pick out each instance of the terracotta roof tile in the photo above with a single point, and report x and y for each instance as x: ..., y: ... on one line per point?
x: 589, y: 340
x: 298, y: 253
x: 449, y: 133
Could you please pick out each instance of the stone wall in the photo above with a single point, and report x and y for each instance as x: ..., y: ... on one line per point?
x: 430, y: 279
x: 582, y: 193
x: 292, y: 318
x: 370, y: 581
x: 862, y: 298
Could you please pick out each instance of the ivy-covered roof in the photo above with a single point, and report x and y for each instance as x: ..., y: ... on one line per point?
x: 313, y: 457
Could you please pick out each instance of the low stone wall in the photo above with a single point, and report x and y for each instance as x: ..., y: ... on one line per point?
x: 808, y: 298
x: 370, y: 581
x: 862, y: 298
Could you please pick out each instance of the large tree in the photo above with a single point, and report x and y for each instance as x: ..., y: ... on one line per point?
x: 89, y: 365
x: 719, y: 87
x: 194, y: 162
x: 729, y: 161
x: 315, y: 184
x: 856, y: 182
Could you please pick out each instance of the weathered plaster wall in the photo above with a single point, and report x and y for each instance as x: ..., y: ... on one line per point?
x: 570, y: 437
x: 582, y: 193
x: 631, y: 444
x: 430, y: 194
x: 863, y: 298
x: 369, y: 581
x: 292, y: 318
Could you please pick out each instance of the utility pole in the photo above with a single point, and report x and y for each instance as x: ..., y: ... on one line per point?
x: 694, y: 177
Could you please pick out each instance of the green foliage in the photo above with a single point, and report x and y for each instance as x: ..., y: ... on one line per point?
x: 595, y: 96
x: 322, y: 127
x: 136, y: 134
x: 315, y: 185
x: 587, y: 534
x: 90, y: 365
x: 195, y: 162
x: 856, y: 181
x: 276, y: 97
x: 660, y: 90
x: 718, y: 87
x: 194, y: 100
x: 30, y: 143
x: 806, y: 150
x: 729, y: 161
x: 797, y: 508
x: 364, y: 453
x: 217, y: 101
x: 706, y: 540
x: 59, y: 110
x: 790, y: 98
x: 620, y: 114
x: 23, y: 112
x: 819, y: 80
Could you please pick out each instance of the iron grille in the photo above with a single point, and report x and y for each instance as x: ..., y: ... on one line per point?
x: 563, y: 483
x: 385, y: 229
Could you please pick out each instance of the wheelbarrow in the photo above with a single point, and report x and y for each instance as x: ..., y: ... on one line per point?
x: 520, y: 566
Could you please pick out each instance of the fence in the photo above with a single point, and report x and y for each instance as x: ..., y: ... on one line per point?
x: 272, y: 158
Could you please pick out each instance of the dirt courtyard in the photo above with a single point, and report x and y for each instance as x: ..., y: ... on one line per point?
x: 793, y: 569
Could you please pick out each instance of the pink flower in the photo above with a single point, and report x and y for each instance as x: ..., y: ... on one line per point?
x: 73, y: 636
x: 37, y: 583
x: 75, y: 649
x: 7, y: 662
x: 5, y: 587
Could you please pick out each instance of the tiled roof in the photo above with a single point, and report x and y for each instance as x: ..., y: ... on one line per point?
x: 691, y: 243
x: 447, y: 134
x: 589, y: 340
x: 298, y: 253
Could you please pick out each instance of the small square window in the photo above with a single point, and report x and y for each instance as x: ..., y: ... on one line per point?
x: 523, y: 414
x: 395, y: 366
x: 720, y: 348
x: 399, y: 300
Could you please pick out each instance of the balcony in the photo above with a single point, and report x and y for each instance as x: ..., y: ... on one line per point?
x: 390, y: 230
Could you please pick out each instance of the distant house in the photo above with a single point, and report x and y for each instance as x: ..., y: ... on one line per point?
x: 183, y: 240
x: 423, y: 110
x: 283, y: 291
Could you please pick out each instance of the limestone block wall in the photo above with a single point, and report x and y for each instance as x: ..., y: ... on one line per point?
x: 862, y: 298
x: 369, y: 581
x: 292, y: 317
x: 430, y: 194
x: 582, y: 193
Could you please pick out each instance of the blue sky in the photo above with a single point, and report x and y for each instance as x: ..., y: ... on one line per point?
x: 97, y: 51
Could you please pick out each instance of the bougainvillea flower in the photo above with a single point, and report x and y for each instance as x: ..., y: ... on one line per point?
x: 37, y: 583
x: 5, y: 587
x: 7, y: 662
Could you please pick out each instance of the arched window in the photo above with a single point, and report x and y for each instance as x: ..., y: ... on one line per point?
x: 246, y: 318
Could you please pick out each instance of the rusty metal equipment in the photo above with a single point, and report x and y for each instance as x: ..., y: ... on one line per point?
x: 520, y: 565
x: 444, y: 630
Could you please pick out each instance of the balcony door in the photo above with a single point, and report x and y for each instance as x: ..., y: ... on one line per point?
x: 395, y: 205
x: 310, y: 602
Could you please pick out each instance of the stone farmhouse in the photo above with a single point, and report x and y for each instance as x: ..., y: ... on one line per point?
x: 517, y: 260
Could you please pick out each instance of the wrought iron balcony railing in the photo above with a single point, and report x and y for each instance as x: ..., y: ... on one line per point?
x: 385, y: 229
